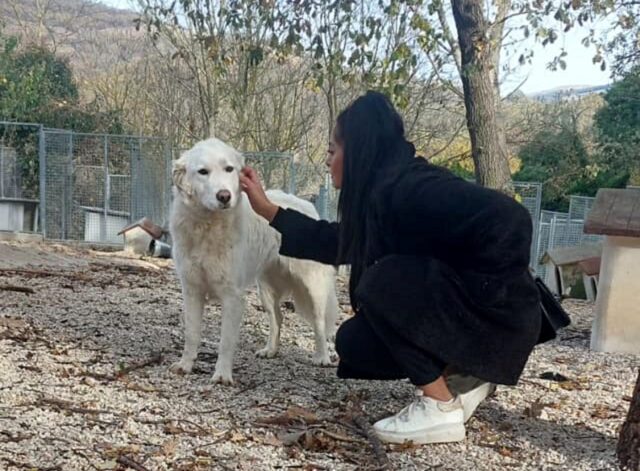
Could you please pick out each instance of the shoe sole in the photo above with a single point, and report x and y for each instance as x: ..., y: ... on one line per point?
x: 442, y: 434
x: 471, y: 401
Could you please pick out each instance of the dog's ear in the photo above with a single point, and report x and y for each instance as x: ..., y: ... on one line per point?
x: 178, y: 174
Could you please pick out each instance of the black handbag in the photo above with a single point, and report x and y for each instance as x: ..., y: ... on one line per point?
x: 554, y: 317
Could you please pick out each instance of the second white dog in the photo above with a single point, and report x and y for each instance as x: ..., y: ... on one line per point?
x: 221, y: 247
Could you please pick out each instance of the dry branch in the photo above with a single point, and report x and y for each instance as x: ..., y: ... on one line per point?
x: 19, y: 289
x: 44, y: 273
x: 378, y: 448
x: 126, y: 461
x: 30, y: 466
x: 155, y: 359
x: 60, y: 404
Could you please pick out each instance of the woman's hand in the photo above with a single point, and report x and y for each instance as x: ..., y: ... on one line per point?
x: 250, y: 183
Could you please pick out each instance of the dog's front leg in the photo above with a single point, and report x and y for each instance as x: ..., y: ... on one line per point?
x: 192, y: 323
x: 232, y: 313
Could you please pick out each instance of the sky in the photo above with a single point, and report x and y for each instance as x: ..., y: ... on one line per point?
x: 580, y: 69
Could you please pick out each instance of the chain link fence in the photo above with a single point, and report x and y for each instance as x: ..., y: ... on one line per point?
x: 96, y: 184
x: 530, y: 196
x: 19, y: 182
x: 557, y: 229
x: 87, y: 187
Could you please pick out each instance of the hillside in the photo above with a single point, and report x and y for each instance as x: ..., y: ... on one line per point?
x: 74, y: 28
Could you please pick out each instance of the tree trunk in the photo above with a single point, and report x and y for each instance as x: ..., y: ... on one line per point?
x: 481, y: 95
x: 629, y: 443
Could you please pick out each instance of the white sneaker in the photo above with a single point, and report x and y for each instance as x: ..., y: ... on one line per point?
x: 472, y: 399
x: 425, y: 420
x: 472, y: 391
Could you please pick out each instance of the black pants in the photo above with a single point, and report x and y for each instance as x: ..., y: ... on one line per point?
x: 369, y: 350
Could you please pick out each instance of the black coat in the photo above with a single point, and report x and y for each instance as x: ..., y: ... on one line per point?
x: 447, y: 268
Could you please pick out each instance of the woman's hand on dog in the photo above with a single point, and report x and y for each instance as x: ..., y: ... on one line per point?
x: 251, y: 185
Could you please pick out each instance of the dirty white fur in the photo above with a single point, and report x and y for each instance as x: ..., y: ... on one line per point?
x: 221, y: 248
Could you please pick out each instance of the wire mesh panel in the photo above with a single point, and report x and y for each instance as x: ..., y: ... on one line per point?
x: 275, y: 169
x: 530, y: 196
x: 550, y: 231
x: 19, y: 185
x: 309, y: 178
x: 562, y: 230
x: 19, y: 160
x: 579, y: 208
x: 150, y: 180
x: 96, y: 184
x: 9, y: 173
x: 56, y: 160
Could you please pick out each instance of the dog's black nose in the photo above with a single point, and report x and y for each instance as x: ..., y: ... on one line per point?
x: 224, y: 196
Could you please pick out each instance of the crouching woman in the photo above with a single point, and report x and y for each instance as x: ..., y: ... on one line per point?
x: 439, y: 272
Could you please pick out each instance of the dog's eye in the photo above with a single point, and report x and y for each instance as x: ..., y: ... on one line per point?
x: 203, y: 171
x: 229, y: 169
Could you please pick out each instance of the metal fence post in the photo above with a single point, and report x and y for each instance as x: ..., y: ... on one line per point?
x: 292, y: 175
x: 42, y: 174
x: 322, y: 202
x: 168, y: 158
x: 103, y: 224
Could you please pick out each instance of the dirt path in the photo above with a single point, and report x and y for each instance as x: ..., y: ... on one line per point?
x: 84, y: 353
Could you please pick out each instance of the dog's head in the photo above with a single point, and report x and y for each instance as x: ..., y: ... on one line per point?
x: 208, y: 175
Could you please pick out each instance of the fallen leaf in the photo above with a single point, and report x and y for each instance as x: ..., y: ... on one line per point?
x: 602, y: 411
x: 535, y: 409
x: 271, y: 439
x: 289, y: 438
x: 293, y: 415
x: 106, y: 465
x: 169, y: 448
x: 14, y: 323
x: 404, y: 447
x: 173, y: 429
x: 114, y: 452
x: 237, y: 437
x: 572, y: 385
x: 504, y: 451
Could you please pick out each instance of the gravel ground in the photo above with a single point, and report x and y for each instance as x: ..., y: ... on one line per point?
x: 85, y: 351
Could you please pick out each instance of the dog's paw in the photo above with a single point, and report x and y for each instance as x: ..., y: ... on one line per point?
x: 181, y: 367
x: 267, y: 352
x: 323, y: 360
x: 222, y: 377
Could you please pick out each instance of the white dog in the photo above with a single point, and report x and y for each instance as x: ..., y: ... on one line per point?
x: 221, y: 247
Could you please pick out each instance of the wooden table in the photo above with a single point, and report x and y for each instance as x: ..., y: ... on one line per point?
x: 616, y: 215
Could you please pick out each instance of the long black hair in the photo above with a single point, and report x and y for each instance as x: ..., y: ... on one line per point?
x: 371, y: 133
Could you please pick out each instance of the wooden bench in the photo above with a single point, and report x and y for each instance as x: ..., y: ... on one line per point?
x: 616, y: 215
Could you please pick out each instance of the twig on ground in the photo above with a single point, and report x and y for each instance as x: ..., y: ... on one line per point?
x: 223, y: 436
x: 336, y: 436
x: 60, y: 404
x: 19, y: 437
x: 378, y: 448
x: 20, y: 289
x: 156, y: 359
x: 44, y: 273
x: 203, y: 430
x: 30, y: 466
x: 126, y: 461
